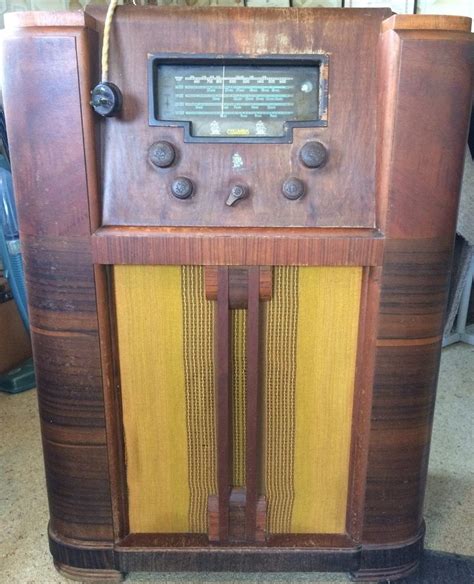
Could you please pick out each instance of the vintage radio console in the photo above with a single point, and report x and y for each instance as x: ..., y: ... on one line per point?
x: 237, y: 284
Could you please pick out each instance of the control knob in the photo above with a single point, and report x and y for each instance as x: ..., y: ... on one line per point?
x: 313, y: 154
x: 162, y: 154
x: 293, y: 188
x: 182, y: 187
x: 237, y: 193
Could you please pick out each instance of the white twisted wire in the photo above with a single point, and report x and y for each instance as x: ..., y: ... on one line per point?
x: 106, y: 39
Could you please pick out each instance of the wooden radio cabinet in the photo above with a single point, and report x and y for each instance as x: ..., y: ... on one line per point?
x: 237, y: 286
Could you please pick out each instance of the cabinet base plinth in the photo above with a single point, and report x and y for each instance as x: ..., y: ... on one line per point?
x: 88, y: 575
x: 366, y: 563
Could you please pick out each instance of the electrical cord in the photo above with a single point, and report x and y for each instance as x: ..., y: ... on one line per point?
x: 106, y: 96
x: 106, y: 39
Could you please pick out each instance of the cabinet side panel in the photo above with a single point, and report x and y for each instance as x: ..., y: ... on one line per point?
x: 43, y: 113
x: 425, y: 94
x: 427, y: 147
x: 43, y: 110
x: 404, y: 388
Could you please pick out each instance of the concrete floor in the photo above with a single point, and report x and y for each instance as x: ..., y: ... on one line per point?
x: 24, y: 556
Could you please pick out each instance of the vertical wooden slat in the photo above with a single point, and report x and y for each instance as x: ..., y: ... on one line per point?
x: 362, y: 404
x: 108, y: 337
x: 223, y: 379
x: 253, y: 360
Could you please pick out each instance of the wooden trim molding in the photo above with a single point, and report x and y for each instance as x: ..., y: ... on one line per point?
x: 268, y: 247
x: 108, y: 339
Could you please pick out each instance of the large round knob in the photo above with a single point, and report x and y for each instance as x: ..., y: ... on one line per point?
x: 162, y: 154
x: 293, y: 188
x: 182, y: 188
x: 313, y: 154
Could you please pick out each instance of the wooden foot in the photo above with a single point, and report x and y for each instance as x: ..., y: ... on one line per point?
x: 89, y: 576
x: 390, y: 562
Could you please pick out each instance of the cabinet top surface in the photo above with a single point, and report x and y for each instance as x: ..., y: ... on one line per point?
x: 94, y: 14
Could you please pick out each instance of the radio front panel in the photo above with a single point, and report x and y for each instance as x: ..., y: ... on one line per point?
x: 257, y: 129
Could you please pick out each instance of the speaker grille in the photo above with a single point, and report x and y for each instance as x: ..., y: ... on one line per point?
x: 166, y: 352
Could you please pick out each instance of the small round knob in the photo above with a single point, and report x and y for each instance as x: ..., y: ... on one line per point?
x: 293, y: 188
x: 162, y: 154
x: 313, y: 154
x: 182, y: 188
